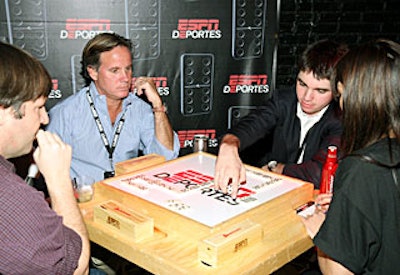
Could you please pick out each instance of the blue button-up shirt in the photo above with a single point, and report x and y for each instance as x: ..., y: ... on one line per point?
x: 73, y: 121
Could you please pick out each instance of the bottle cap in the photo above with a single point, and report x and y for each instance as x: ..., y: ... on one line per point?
x: 332, y: 151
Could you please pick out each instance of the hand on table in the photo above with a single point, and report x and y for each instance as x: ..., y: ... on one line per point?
x: 229, y: 169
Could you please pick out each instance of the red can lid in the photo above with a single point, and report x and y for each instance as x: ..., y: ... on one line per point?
x: 332, y: 151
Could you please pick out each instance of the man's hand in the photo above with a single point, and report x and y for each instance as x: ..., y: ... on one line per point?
x: 229, y: 169
x: 162, y: 126
x: 146, y: 86
x: 52, y: 156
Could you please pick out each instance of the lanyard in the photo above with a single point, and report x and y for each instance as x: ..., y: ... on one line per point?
x: 110, y: 149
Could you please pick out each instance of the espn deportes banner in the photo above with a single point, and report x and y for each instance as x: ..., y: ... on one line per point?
x: 213, y: 61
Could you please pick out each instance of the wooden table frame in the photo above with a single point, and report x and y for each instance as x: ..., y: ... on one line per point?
x: 173, y: 250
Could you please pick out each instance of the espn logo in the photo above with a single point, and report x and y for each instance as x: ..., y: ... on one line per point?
x: 186, y: 137
x: 54, y: 83
x: 247, y: 84
x: 185, y: 177
x: 55, y: 91
x: 160, y: 81
x: 84, y: 28
x: 197, y: 29
x: 244, y: 192
x: 198, y: 24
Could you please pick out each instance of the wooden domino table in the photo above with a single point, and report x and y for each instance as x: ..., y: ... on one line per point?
x: 187, y: 212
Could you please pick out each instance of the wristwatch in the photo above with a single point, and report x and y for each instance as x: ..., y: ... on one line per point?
x: 272, y: 165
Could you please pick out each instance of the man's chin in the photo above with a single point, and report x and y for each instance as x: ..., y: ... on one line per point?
x: 123, y: 94
x: 30, y: 149
x: 309, y: 111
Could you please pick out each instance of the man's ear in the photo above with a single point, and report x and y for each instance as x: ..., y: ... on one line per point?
x: 340, y: 86
x: 92, y: 71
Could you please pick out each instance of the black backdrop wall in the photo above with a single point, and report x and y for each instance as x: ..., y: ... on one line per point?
x: 213, y: 61
x: 352, y: 21
x: 300, y: 22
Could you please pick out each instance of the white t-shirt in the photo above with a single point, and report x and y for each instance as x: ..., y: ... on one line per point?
x: 307, y: 121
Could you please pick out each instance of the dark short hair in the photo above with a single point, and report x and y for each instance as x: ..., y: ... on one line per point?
x: 321, y: 57
x: 370, y: 74
x: 102, y: 42
x: 22, y: 77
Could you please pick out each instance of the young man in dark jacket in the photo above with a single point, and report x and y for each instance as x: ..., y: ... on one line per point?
x: 300, y: 122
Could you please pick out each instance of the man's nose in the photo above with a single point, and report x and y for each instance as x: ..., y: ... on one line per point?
x: 44, y: 117
x: 126, y: 75
x: 309, y: 94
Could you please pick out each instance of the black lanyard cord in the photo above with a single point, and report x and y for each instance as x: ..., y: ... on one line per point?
x: 110, y: 149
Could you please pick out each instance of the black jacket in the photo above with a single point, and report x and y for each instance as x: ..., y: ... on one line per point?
x: 277, y: 120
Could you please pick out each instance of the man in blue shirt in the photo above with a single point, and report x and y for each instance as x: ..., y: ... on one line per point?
x: 105, y: 122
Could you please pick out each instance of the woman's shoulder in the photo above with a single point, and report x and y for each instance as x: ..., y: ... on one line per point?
x: 384, y: 152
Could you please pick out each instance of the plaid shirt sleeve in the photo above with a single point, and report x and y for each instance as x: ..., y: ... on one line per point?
x: 33, y: 239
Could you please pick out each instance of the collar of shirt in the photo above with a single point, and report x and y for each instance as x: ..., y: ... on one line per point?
x: 306, y: 122
x: 7, y: 164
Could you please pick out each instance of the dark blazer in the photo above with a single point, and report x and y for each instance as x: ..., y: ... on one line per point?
x: 277, y: 120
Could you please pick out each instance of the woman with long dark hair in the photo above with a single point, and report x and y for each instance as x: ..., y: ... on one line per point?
x: 360, y: 232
